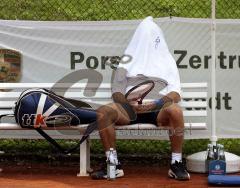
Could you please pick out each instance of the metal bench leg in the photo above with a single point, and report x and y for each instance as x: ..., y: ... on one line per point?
x: 84, y: 158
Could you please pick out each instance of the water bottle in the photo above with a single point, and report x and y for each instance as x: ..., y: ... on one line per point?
x: 221, y: 153
x: 208, y: 150
x: 111, y: 166
x: 218, y: 147
x: 211, y: 152
x: 210, y: 156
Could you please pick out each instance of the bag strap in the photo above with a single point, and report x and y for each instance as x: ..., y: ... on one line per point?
x: 49, y: 139
x: 78, y: 104
x: 91, y: 127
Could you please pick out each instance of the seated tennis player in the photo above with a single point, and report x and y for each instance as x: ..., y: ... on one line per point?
x: 151, y: 60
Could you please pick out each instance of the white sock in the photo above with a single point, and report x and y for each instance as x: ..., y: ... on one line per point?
x: 176, y: 157
x: 113, y: 158
x: 107, y: 153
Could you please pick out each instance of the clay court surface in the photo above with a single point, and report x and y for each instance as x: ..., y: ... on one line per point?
x: 44, y: 175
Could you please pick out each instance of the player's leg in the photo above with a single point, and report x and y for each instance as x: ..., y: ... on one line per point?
x: 172, y: 117
x: 107, y: 117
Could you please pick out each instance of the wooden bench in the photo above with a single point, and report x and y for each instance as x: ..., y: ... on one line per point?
x: 194, y: 104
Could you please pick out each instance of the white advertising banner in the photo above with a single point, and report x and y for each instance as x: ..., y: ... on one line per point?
x: 45, y: 52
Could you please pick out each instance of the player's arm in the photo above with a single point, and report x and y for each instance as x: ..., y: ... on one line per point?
x: 118, y: 92
x: 119, y: 97
x: 119, y: 85
x: 171, y: 97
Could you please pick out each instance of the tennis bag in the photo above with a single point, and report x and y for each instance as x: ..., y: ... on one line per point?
x: 41, y: 108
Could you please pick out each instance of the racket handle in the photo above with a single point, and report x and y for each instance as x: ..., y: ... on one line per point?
x: 128, y: 108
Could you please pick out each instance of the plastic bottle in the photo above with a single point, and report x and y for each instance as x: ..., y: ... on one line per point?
x: 210, y: 156
x: 215, y: 152
x: 221, y: 153
x: 207, y: 158
x: 218, y: 148
x: 208, y: 151
x: 111, y: 166
x: 211, y: 152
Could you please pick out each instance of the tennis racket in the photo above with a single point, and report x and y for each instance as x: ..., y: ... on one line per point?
x: 139, y: 92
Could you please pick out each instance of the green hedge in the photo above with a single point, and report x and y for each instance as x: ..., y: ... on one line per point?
x: 125, y: 147
x: 114, y: 9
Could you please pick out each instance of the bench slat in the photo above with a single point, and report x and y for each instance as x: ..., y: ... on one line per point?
x: 187, y: 113
x: 193, y: 104
x: 196, y: 113
x: 190, y: 95
x: 194, y: 85
x: 151, y: 126
x: 13, y: 126
x: 7, y: 104
x: 79, y: 85
x: 184, y: 104
x: 6, y: 111
x: 192, y: 113
x: 99, y: 95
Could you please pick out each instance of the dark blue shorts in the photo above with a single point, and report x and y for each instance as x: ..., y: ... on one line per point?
x: 149, y: 117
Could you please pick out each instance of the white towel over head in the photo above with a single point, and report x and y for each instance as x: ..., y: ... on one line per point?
x: 150, y: 55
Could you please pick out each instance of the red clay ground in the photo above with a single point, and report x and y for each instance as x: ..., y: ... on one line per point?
x: 43, y: 175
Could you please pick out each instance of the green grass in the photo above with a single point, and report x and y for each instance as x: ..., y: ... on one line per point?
x: 113, y: 9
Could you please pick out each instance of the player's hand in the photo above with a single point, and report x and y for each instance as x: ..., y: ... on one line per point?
x: 148, y: 106
x: 142, y: 108
x: 136, y: 107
